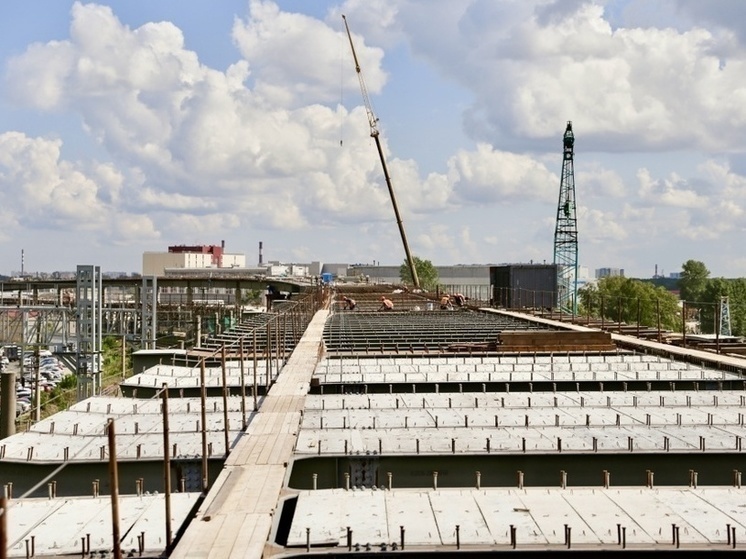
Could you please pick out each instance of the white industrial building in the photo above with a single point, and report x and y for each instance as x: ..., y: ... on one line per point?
x: 190, y: 258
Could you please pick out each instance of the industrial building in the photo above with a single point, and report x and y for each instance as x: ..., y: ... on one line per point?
x: 190, y: 257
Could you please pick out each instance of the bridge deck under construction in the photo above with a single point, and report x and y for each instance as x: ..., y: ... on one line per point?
x: 352, y: 434
x: 433, y: 431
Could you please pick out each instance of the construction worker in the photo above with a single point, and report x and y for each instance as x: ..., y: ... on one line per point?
x: 459, y: 299
x: 350, y: 303
x: 386, y: 304
x: 445, y: 302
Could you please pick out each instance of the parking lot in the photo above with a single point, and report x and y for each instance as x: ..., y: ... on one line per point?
x: 50, y: 373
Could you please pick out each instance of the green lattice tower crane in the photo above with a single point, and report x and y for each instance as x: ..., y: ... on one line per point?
x: 566, y: 230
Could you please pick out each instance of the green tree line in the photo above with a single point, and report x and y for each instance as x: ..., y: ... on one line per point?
x: 631, y: 301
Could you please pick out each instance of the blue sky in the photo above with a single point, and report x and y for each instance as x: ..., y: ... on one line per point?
x: 128, y: 126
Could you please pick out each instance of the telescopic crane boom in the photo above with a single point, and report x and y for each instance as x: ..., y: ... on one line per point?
x: 373, y: 121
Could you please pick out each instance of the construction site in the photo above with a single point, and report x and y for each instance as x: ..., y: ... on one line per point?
x: 311, y: 429
x: 369, y: 420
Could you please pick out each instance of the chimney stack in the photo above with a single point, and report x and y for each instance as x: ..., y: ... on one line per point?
x: 260, y: 253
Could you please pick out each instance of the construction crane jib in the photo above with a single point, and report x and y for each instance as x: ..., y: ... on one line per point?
x: 373, y: 121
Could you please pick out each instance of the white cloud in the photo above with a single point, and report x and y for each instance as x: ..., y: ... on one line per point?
x: 595, y: 181
x: 672, y: 191
x: 600, y: 227
x: 46, y: 192
x: 626, y: 88
x: 488, y: 175
x: 295, y: 59
x: 268, y: 145
x: 194, y: 136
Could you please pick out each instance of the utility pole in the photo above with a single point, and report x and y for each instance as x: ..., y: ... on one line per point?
x: 566, y: 230
x: 373, y: 122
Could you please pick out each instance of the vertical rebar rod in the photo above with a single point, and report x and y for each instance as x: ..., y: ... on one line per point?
x: 255, y: 367
x: 166, y: 465
x: 203, y: 397
x: 3, y: 527
x: 225, y: 403
x: 243, y: 386
x: 114, y: 480
x: 268, y: 354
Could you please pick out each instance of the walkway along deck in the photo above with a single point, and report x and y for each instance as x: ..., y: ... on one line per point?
x: 237, y: 515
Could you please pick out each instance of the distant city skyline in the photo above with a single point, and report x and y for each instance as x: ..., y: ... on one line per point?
x: 584, y: 272
x: 126, y: 127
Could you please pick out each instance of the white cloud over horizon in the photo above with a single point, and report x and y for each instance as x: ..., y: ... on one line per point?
x: 276, y: 146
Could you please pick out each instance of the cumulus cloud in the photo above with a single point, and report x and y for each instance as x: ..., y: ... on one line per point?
x: 448, y: 244
x: 601, y: 227
x: 531, y: 62
x: 295, y: 59
x: 672, y: 191
x: 596, y: 181
x: 44, y: 191
x: 193, y: 135
x: 267, y: 143
x: 487, y: 175
x: 48, y: 192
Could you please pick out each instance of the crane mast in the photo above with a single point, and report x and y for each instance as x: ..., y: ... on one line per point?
x: 566, y: 230
x: 373, y: 122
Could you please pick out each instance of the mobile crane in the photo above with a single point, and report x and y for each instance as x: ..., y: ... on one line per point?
x: 373, y: 122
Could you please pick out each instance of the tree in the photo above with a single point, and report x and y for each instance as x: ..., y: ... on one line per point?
x: 737, y: 304
x: 426, y: 273
x: 625, y: 299
x: 693, y: 280
x: 708, y: 303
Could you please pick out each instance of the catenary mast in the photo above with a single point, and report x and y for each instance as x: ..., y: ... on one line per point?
x: 373, y: 121
x: 566, y: 230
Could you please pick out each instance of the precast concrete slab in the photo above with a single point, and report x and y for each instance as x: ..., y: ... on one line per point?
x: 180, y: 377
x: 67, y: 526
x: 391, y: 424
x: 539, y: 516
x: 80, y: 433
x: 626, y: 368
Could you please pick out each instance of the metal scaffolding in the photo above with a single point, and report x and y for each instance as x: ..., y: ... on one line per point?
x: 88, y: 296
x: 149, y: 312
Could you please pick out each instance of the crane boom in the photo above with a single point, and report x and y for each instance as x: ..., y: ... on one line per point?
x: 373, y: 122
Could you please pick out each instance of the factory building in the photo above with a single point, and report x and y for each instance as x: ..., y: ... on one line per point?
x: 195, y: 257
